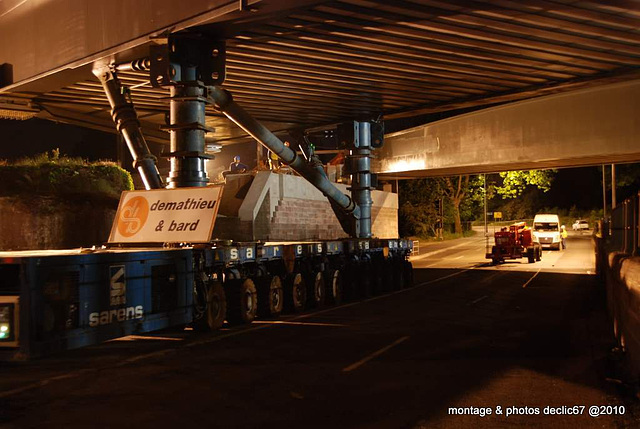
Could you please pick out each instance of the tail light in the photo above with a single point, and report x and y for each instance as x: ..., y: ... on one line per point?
x: 9, y: 311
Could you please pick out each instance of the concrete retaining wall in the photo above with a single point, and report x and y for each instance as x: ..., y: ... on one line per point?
x: 287, y: 207
x: 622, y: 280
x: 51, y: 223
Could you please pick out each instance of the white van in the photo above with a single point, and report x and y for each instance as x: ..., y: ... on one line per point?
x: 546, y: 230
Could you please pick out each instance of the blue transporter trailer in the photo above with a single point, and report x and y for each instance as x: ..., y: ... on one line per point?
x: 52, y: 301
x: 59, y: 300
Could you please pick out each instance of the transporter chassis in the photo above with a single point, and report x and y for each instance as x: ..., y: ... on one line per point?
x: 57, y: 300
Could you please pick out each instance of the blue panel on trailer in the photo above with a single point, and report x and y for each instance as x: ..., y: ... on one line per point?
x: 73, y: 301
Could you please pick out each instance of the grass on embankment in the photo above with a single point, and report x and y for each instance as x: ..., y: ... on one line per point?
x: 55, y: 175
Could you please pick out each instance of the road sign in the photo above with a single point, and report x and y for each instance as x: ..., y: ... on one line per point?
x: 497, y: 215
x: 166, y: 215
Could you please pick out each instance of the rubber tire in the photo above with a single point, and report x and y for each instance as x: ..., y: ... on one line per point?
x: 242, y: 301
x: 398, y: 274
x: 352, y: 283
x: 408, y: 273
x: 377, y: 278
x: 216, y: 309
x: 538, y: 252
x: 295, y: 293
x: 386, y: 269
x: 530, y: 256
x: 334, y: 282
x: 270, y: 296
x: 317, y: 291
x: 365, y: 287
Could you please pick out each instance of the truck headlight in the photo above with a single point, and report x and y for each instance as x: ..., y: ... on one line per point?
x: 8, y: 321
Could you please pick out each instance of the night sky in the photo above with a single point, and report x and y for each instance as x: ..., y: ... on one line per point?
x: 581, y: 187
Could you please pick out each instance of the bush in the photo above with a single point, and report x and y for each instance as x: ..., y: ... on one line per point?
x: 52, y: 174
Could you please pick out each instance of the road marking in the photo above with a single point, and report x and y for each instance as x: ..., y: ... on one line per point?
x: 531, y: 279
x: 478, y: 300
x: 373, y: 355
x: 42, y: 383
x: 143, y: 337
x: 284, y: 322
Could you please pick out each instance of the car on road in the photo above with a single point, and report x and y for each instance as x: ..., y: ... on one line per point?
x: 580, y: 224
x: 546, y: 230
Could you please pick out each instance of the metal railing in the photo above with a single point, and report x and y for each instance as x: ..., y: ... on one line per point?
x: 624, y: 233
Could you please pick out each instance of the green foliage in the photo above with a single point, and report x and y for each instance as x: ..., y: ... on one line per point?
x: 471, y: 207
x: 418, y: 198
x: 52, y: 174
x: 417, y: 215
x: 627, y: 180
x: 515, y: 182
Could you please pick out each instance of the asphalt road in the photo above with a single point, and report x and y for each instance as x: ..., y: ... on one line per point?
x: 468, y: 336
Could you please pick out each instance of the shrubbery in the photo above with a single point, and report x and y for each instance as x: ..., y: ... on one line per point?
x: 52, y: 174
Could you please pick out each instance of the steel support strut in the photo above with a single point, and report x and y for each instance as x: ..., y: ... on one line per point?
x: 187, y: 128
x: 126, y: 120
x: 360, y: 160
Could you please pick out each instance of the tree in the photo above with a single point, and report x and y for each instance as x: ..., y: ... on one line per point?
x: 515, y: 182
x: 418, y: 214
x: 627, y: 180
x: 462, y: 196
x: 455, y: 189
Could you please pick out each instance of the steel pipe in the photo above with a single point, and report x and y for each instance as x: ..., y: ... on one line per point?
x: 361, y: 178
x: 187, y: 130
x: 126, y: 120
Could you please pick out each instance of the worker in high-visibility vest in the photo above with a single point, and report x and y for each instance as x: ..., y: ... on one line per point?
x: 563, y: 235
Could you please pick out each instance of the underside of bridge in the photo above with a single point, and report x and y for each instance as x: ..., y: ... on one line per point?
x: 300, y: 65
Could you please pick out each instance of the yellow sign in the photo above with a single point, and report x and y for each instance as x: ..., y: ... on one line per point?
x: 497, y: 215
x: 185, y: 215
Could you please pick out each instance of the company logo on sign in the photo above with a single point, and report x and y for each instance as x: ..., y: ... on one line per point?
x: 184, y: 215
x: 116, y: 315
x: 118, y: 286
x: 133, y: 216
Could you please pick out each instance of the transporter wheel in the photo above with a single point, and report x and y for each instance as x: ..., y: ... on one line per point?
x: 352, y: 283
x: 386, y: 273
x: 495, y: 261
x: 408, y: 273
x: 365, y: 287
x: 295, y: 293
x: 317, y: 295
x: 398, y: 274
x: 530, y: 255
x: 242, y: 301
x: 377, y: 277
x: 270, y: 296
x: 538, y: 253
x: 334, y: 284
x: 215, y: 310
